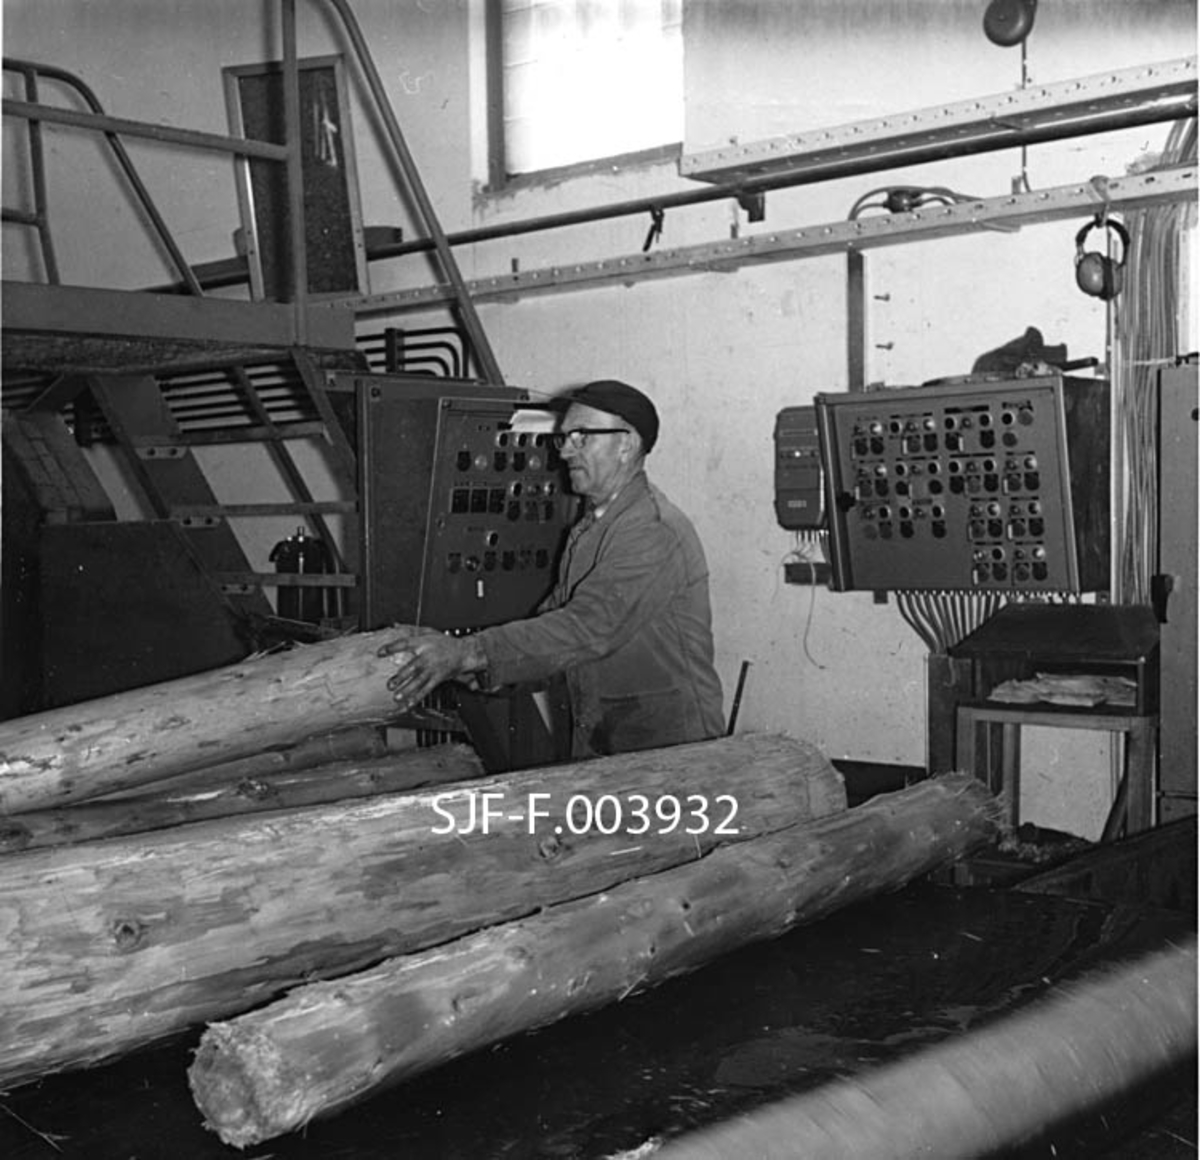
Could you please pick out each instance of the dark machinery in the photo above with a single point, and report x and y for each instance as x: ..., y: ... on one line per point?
x: 463, y: 515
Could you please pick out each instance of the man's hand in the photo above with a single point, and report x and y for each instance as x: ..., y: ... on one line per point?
x: 425, y: 659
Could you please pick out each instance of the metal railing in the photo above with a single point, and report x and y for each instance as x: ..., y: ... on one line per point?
x: 289, y: 155
x: 95, y: 119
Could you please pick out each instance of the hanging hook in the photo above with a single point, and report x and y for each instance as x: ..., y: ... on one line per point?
x: 1099, y: 184
x: 657, y: 214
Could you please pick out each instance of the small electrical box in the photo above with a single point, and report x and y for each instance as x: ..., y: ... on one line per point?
x: 799, y: 486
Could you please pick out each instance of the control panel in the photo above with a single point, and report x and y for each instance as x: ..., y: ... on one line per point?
x: 497, y: 516
x: 996, y: 485
x: 464, y: 508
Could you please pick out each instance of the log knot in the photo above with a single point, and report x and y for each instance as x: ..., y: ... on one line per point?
x: 128, y: 934
x: 14, y: 836
x: 550, y: 847
x: 255, y: 790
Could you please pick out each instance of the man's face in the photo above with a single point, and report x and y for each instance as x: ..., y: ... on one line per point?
x: 597, y: 468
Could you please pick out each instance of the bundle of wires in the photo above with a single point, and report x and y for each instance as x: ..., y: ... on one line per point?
x: 1146, y: 336
x: 942, y: 619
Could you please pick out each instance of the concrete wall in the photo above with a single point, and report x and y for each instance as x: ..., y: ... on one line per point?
x: 720, y: 352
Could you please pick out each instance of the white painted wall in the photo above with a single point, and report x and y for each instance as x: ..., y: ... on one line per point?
x: 720, y: 352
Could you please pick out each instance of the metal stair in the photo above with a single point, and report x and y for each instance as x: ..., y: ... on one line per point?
x: 111, y: 362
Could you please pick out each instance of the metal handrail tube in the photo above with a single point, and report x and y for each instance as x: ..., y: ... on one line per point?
x: 470, y: 319
x: 243, y: 146
x: 97, y: 120
x: 37, y: 163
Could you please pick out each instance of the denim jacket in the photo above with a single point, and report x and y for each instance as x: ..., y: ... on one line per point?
x: 629, y: 624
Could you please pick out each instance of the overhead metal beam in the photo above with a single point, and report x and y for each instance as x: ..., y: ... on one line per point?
x: 866, y: 232
x: 1078, y: 107
x: 1151, y: 94
x: 939, y: 138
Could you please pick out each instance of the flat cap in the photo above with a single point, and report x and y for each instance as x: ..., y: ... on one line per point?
x: 617, y: 398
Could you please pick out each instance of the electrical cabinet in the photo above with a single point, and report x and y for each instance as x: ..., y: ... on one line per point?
x: 1177, y: 562
x: 464, y: 508
x: 984, y: 486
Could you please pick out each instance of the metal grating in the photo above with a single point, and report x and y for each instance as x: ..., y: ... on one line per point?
x: 211, y: 402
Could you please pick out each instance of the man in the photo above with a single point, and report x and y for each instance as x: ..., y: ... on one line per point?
x: 628, y: 622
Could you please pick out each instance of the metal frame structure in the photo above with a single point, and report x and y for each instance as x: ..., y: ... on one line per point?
x: 115, y: 342
x: 288, y: 155
x: 1103, y: 102
x: 97, y: 337
x: 1011, y: 210
x: 1147, y: 95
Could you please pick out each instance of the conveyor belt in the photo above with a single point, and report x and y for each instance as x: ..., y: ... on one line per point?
x: 863, y: 987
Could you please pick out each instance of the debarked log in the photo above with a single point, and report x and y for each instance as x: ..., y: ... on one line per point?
x: 105, y: 946
x: 128, y: 739
x: 358, y: 743
x: 111, y: 817
x: 328, y: 1044
x: 984, y: 1093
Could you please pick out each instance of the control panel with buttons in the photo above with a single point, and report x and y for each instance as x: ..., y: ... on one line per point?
x: 996, y: 485
x: 463, y: 504
x: 498, y: 515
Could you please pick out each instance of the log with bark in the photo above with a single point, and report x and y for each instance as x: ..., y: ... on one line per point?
x: 326, y: 1045
x: 986, y: 1092
x: 108, y: 945
x: 143, y: 735
x: 338, y: 781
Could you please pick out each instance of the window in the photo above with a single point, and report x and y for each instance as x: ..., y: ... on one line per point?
x: 578, y: 80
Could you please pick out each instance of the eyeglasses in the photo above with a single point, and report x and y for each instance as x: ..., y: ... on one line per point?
x: 579, y: 436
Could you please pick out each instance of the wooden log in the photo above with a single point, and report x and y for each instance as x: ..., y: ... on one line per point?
x: 340, y: 781
x: 328, y: 1044
x: 108, y: 945
x: 990, y: 1090
x: 143, y: 735
x: 355, y: 744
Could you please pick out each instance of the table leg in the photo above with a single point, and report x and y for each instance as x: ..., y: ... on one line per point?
x: 1010, y: 768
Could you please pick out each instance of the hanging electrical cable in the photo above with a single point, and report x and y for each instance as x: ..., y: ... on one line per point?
x: 906, y: 198
x: 943, y: 619
x: 905, y: 603
x: 1146, y: 336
